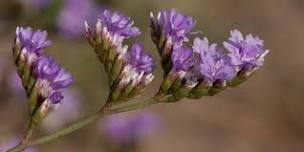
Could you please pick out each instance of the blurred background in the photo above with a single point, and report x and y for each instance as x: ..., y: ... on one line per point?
x: 264, y: 114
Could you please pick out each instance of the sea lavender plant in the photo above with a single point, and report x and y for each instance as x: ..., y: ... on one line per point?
x: 42, y: 78
x: 191, y: 70
x: 129, y: 71
x: 207, y: 68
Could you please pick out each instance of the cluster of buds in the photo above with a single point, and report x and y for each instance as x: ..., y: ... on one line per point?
x: 203, y: 69
x: 129, y: 71
x: 42, y: 78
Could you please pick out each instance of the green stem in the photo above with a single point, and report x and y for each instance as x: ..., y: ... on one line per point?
x: 139, y: 105
x: 29, y: 134
x: 76, y: 126
x: 84, y: 122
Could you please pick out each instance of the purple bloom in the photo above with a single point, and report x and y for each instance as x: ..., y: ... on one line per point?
x: 139, y: 67
x: 72, y: 16
x: 51, y: 78
x: 182, y: 58
x: 33, y: 41
x: 214, y: 65
x: 118, y: 24
x: 141, y: 61
x: 247, y: 51
x: 175, y: 24
x: 46, y: 68
x: 124, y: 130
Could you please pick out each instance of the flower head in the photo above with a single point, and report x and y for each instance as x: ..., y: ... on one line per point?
x: 33, y: 41
x: 175, y: 24
x: 248, y: 51
x: 51, y: 78
x: 118, y: 24
x: 141, y: 61
x: 182, y: 58
x: 41, y: 76
x: 214, y: 65
x: 139, y: 67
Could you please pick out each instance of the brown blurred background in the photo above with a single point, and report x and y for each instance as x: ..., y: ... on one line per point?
x: 264, y: 114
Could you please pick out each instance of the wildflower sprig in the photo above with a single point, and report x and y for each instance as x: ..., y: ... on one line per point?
x: 193, y: 68
x: 42, y: 78
x: 129, y: 70
x: 203, y: 69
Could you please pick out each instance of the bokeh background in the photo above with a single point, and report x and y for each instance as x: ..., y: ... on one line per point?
x: 264, y: 114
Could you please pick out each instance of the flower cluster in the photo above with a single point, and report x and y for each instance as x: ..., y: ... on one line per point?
x: 129, y: 71
x: 192, y: 69
x: 204, y: 69
x: 42, y: 78
x: 170, y: 28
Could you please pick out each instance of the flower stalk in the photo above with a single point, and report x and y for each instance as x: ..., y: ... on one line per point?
x: 85, y: 122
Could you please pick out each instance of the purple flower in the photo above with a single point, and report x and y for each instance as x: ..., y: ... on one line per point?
x: 42, y: 78
x: 175, y: 24
x: 213, y: 65
x: 33, y: 41
x: 118, y: 24
x: 51, y: 78
x: 182, y: 58
x: 72, y: 16
x: 141, y: 61
x: 247, y: 51
x: 139, y: 67
x: 123, y: 130
x: 46, y: 68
